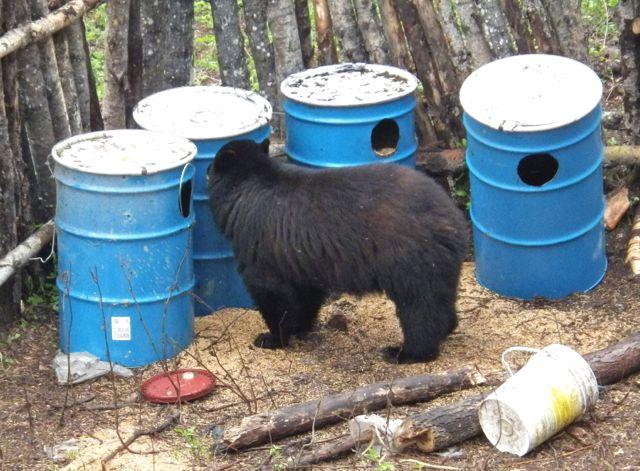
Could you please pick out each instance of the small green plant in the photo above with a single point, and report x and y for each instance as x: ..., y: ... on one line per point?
x: 372, y: 454
x: 276, y: 455
x: 96, y: 31
x: 197, y: 448
x: 598, y: 16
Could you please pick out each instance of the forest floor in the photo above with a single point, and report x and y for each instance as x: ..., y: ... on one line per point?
x: 343, y: 353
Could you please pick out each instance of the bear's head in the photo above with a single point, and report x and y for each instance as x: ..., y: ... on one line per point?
x: 241, y: 158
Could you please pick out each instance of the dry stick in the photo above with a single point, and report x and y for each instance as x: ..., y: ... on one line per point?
x: 617, y: 205
x: 261, y: 428
x: 329, y: 450
x: 633, y: 249
x: 444, y: 426
x: 173, y: 418
x: 24, y: 35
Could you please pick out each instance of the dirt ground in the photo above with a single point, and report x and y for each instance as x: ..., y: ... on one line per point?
x: 343, y: 353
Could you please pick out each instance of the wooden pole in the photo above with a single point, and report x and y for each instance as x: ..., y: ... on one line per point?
x: 24, y: 35
x: 117, y: 64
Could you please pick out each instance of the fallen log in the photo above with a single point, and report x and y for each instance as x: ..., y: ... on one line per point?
x: 19, y: 256
x: 267, y: 426
x: 442, y: 427
x: 633, y: 248
x: 617, y: 205
x: 452, y: 161
x: 24, y: 35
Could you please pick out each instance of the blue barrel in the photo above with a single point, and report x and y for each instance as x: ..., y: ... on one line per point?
x: 350, y: 114
x: 123, y: 226
x: 210, y: 117
x: 534, y: 153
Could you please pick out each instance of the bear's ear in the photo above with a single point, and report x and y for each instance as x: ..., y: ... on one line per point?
x: 224, y: 160
x: 264, y: 146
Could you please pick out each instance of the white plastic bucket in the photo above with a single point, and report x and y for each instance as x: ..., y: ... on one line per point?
x: 554, y: 388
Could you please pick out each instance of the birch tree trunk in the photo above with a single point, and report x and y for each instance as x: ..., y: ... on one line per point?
x: 179, y: 43
x: 369, y: 24
x: 75, y: 41
x: 116, y: 64
x: 351, y: 48
x: 324, y: 33
x: 255, y: 16
x: 229, y: 44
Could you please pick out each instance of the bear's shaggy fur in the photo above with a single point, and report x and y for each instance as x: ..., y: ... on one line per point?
x: 300, y: 234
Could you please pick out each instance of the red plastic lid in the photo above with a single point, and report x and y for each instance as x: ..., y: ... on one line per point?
x: 186, y: 384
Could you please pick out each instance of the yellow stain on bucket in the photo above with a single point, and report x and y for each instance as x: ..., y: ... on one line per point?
x: 566, y: 407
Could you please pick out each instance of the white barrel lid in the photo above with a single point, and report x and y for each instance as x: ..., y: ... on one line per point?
x: 203, y: 112
x: 123, y: 152
x: 530, y: 92
x: 343, y: 85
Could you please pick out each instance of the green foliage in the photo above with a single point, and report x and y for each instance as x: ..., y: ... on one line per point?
x: 96, y: 31
x: 205, y: 58
x: 598, y: 16
x: 276, y: 455
x: 196, y: 445
x: 373, y: 455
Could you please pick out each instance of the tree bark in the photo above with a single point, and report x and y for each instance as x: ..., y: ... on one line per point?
x: 351, y: 48
x: 633, y: 246
x: 34, y: 109
x: 77, y: 55
x: 545, y: 38
x: 20, y: 254
x: 626, y: 13
x: 495, y: 28
x: 134, y: 54
x: 153, y: 29
x: 180, y: 44
x: 229, y: 44
x: 67, y: 81
x: 398, y: 54
x: 51, y: 75
x: 519, y: 27
x: 255, y: 16
x: 324, y: 30
x: 618, y: 204
x: 116, y: 64
x: 476, y: 43
x: 372, y: 34
x: 304, y: 31
x: 95, y: 114
x: 567, y: 22
x: 261, y: 428
x: 459, y: 55
x: 29, y: 32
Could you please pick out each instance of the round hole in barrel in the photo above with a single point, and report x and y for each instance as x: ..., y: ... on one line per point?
x: 385, y: 137
x: 185, y: 198
x: 537, y: 169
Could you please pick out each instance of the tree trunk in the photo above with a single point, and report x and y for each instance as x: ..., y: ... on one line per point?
x: 392, y: 27
x: 134, y: 54
x: 495, y: 28
x: 67, y: 80
x: 459, y: 55
x: 153, y: 29
x: 55, y: 95
x: 116, y: 64
x: 75, y: 41
x: 229, y: 43
x: 519, y: 27
x: 180, y: 43
x: 346, y: 32
x: 566, y: 20
x: 95, y: 114
x: 304, y: 30
x: 545, y: 38
x: 369, y: 24
x: 255, y: 16
x: 34, y: 109
x: 478, y: 47
x: 627, y: 12
x: 324, y: 33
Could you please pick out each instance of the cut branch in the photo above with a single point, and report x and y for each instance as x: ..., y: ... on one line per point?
x: 19, y: 256
x: 617, y: 205
x: 24, y: 35
x: 264, y: 427
x: 633, y: 249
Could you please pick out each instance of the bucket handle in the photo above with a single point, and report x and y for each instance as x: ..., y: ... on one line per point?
x: 505, y: 354
x: 184, y: 169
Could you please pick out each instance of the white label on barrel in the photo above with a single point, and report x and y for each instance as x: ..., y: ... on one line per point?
x: 120, y: 328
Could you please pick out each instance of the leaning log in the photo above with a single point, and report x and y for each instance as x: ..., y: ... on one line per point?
x: 617, y: 205
x: 324, y: 33
x: 633, y: 248
x: 117, y: 64
x: 444, y: 426
x: 24, y: 35
x: 372, y: 35
x: 229, y: 43
x: 19, y: 256
x: 346, y: 31
x: 298, y: 418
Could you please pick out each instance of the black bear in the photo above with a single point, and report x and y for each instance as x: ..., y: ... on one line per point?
x: 299, y: 234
